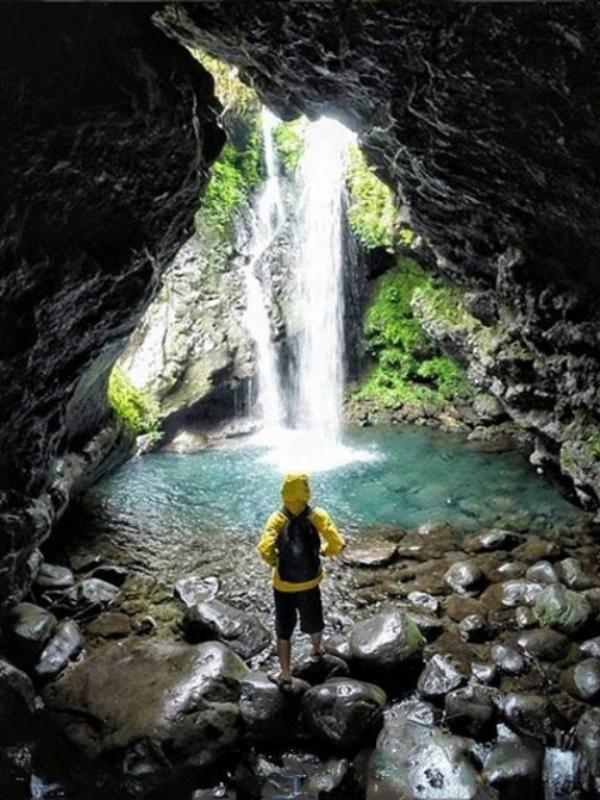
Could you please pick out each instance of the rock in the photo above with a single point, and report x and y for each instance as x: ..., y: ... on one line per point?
x: 524, y: 617
x: 464, y: 577
x: 386, y: 642
x: 561, y: 774
x: 507, y: 660
x: 583, y: 680
x: 195, y: 589
x: 484, y: 673
x: 458, y: 607
x: 536, y: 549
x: 573, y: 576
x: 562, y: 609
x: 587, y: 734
x: 111, y: 573
x: 92, y: 596
x: 489, y: 409
x: 519, y: 593
x: 344, y: 712
x: 425, y: 601
x: 438, y: 678
x: 544, y: 643
x: 52, y: 576
x: 110, y: 625
x: 514, y: 766
x: 430, y: 627
x: 494, y: 539
x: 471, y: 711
x: 529, y: 714
x: 218, y: 792
x: 145, y: 626
x: 212, y: 619
x: 542, y: 572
x: 17, y: 699
x: 66, y: 643
x: 270, y: 714
x: 85, y: 562
x: 154, y: 704
x: 27, y: 628
x: 331, y: 779
x: 415, y: 759
x: 370, y: 554
x: 315, y: 671
x: 591, y: 647
x: 473, y: 628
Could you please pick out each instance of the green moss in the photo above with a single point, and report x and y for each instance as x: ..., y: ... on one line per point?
x: 443, y: 303
x: 288, y: 138
x: 137, y: 411
x: 406, y: 367
x: 593, y: 445
x: 371, y: 214
x: 235, y: 95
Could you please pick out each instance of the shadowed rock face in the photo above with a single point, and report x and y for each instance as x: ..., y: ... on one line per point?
x: 106, y: 132
x: 484, y: 118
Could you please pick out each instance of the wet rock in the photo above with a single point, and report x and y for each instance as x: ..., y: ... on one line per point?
x: 17, y: 698
x: 530, y: 714
x: 591, y: 647
x: 507, y: 660
x: 344, y: 712
x: 542, y: 572
x: 439, y: 677
x: 561, y: 774
x: 458, y: 607
x: 243, y: 632
x: 525, y: 618
x: 66, y: 643
x: 544, y: 643
x: 92, y: 596
x: 338, y: 645
x: 587, y: 734
x: 583, y: 680
x: 84, y: 562
x: 562, y: 609
x: 484, y: 673
x: 430, y: 627
x: 519, y: 593
x: 473, y: 628
x: 111, y: 573
x: 386, y: 642
x: 471, y: 711
x: 318, y: 670
x: 330, y: 779
x: 27, y: 628
x: 145, y: 626
x: 370, y: 554
x: 537, y: 549
x: 593, y: 597
x: 572, y: 575
x: 179, y: 701
x: 494, y: 539
x: 218, y: 792
x: 425, y: 601
x: 414, y: 758
x: 508, y: 570
x: 465, y: 577
x: 514, y: 766
x: 110, y: 625
x: 195, y: 589
x: 269, y: 713
x: 53, y: 576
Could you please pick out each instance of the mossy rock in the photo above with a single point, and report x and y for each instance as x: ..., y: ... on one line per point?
x: 562, y: 609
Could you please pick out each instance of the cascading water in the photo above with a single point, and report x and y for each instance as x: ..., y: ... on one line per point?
x: 268, y: 216
x: 319, y: 278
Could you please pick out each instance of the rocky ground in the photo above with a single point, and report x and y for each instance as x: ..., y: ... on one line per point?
x: 481, y: 652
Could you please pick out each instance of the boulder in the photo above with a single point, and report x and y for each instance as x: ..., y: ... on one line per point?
x: 583, y: 680
x: 514, y: 766
x: 370, y: 554
x: 587, y: 735
x: 344, y: 712
x: 591, y: 647
x: 17, y: 699
x: 268, y: 713
x: 439, y: 677
x: 525, y: 618
x: 519, y: 593
x: 473, y: 628
x: 386, y: 642
x: 430, y: 626
x: 562, y: 609
x: 415, y: 759
x: 484, y: 673
x: 153, y: 704
x: 243, y: 632
x: 530, y: 714
x: 53, y: 576
x: 494, y: 539
x: 507, y: 660
x: 464, y: 577
x: 316, y: 670
x: 27, y: 628
x: 196, y: 589
x: 544, y: 643
x: 424, y: 601
x: 111, y: 573
x: 472, y: 710
x: 110, y: 625
x: 91, y: 596
x: 561, y: 774
x: 66, y: 643
x: 542, y: 572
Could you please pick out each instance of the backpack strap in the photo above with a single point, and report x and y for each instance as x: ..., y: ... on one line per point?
x: 302, y: 515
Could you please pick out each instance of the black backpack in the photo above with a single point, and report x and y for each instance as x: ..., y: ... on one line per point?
x: 298, y: 548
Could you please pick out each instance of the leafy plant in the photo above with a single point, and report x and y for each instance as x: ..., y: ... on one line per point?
x: 138, y: 412
x: 233, y: 93
x: 288, y: 138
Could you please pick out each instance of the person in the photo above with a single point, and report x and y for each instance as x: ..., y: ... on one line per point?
x: 292, y: 542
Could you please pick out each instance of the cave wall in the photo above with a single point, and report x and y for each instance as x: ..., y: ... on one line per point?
x: 107, y: 129
x: 485, y: 120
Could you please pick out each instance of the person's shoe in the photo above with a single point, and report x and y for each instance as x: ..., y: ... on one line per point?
x: 284, y: 682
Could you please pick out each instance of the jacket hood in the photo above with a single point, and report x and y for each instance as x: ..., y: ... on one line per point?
x: 295, y: 492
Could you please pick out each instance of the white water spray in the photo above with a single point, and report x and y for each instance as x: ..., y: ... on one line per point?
x: 268, y: 216
x: 320, y: 279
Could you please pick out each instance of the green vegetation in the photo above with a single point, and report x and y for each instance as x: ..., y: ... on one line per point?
x: 289, y: 142
x: 443, y: 304
x: 235, y: 95
x: 136, y: 410
x: 407, y: 368
x: 593, y: 445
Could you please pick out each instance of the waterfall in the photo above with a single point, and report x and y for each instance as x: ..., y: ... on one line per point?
x: 268, y: 215
x: 319, y: 278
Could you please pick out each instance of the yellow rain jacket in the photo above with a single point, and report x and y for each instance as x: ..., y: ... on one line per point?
x: 295, y: 493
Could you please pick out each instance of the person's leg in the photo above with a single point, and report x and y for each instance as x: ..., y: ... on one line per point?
x: 284, y: 654
x: 311, y: 618
x: 285, y: 622
x: 317, y: 643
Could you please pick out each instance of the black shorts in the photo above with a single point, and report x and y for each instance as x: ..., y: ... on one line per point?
x: 289, y: 604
